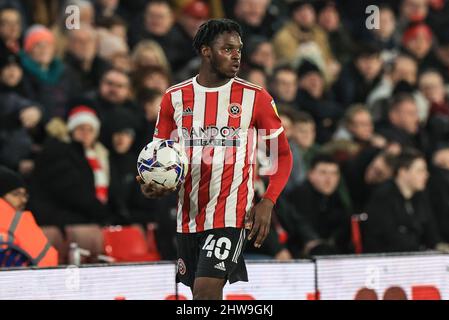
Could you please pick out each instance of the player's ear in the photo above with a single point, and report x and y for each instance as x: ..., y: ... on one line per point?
x: 206, y: 51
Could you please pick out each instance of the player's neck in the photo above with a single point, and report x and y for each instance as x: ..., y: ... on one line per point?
x: 210, y: 79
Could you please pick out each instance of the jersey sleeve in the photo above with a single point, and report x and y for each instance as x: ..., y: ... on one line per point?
x: 267, y: 121
x: 165, y: 123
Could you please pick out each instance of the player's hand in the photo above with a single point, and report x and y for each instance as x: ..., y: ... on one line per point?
x: 259, y: 221
x: 153, y: 190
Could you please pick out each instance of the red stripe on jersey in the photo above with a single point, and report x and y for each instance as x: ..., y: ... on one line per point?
x: 187, y: 98
x: 210, y: 118
x: 229, y: 163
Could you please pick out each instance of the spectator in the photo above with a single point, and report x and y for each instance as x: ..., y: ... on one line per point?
x: 340, y: 41
x: 284, y: 85
x: 384, y: 36
x: 325, y: 227
x: 148, y: 53
x: 10, y: 31
x: 403, y: 68
x: 51, y: 81
x: 403, y: 124
x: 360, y: 77
x: 400, y: 217
x: 192, y: 15
x: 149, y: 100
x: 82, y: 59
x: 260, y: 52
x: 159, y: 25
x: 312, y: 98
x: 255, y: 74
x: 302, y: 38
x: 114, y: 93
x: 115, y: 25
x: 254, y: 18
x: 442, y: 53
x: 18, y: 227
x: 105, y: 9
x: 431, y: 85
x: 303, y: 146
x: 438, y: 189
x: 20, y: 118
x: 110, y: 45
x: 411, y: 11
x: 358, y: 127
x: 151, y: 78
x: 417, y: 41
x: 75, y: 185
x: 370, y: 168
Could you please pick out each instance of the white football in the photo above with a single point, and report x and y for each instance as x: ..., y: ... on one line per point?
x: 164, y: 163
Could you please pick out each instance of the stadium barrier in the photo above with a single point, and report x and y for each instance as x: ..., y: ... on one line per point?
x: 411, y: 276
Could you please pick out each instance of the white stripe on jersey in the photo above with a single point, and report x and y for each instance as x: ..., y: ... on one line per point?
x: 250, y: 180
x: 197, y: 153
x: 231, y: 201
x: 224, y: 97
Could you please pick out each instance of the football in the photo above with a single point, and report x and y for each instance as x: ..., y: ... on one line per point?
x: 164, y: 163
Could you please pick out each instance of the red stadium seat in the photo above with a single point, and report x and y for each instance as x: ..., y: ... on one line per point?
x: 127, y: 244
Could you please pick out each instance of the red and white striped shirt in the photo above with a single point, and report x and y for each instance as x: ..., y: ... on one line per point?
x: 217, y: 127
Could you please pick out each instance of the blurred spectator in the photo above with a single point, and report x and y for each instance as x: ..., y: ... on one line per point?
x: 411, y: 11
x: 365, y: 172
x: 325, y: 223
x: 151, y: 78
x: 358, y: 127
x: 75, y: 184
x: 106, y: 9
x: 403, y: 68
x: 10, y: 31
x: 192, y: 16
x: 312, y: 98
x: 403, y: 124
x: 59, y: 29
x: 384, y: 36
x: 149, y: 100
x: 340, y: 41
x: 51, y: 81
x: 360, y: 77
x: 303, y: 147
x: 18, y: 227
x: 148, y: 53
x: 159, y: 25
x: 431, y: 85
x: 19, y: 118
x: 260, y: 52
x: 110, y: 45
x: 82, y: 59
x: 400, y: 217
x: 114, y: 93
x: 302, y: 38
x: 284, y: 85
x: 254, y: 18
x: 255, y: 74
x: 417, y: 41
x: 116, y: 26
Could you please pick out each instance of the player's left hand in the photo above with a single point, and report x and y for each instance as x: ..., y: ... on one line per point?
x: 259, y: 221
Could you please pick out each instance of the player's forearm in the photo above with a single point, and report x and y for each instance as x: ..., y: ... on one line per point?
x: 278, y: 180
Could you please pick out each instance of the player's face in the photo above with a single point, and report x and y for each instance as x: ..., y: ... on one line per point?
x: 226, y: 52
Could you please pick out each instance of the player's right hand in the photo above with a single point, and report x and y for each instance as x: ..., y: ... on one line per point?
x: 152, y: 190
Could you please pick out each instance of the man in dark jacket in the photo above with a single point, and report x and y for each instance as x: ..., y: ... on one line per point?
x: 323, y: 225
x: 400, y: 217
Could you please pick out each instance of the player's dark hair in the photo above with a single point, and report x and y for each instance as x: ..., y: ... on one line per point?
x: 322, y: 157
x: 405, y: 159
x: 211, y: 29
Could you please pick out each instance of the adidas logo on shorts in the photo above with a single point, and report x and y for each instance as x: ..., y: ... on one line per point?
x: 220, y: 266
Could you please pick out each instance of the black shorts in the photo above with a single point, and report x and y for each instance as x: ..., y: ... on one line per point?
x: 216, y: 253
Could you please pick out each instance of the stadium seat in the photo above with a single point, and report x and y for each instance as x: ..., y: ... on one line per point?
x: 127, y: 244
x: 13, y: 256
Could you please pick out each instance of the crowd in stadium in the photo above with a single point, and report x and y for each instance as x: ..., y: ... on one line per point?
x: 365, y: 109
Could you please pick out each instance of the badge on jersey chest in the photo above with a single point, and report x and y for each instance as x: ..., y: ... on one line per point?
x: 235, y: 110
